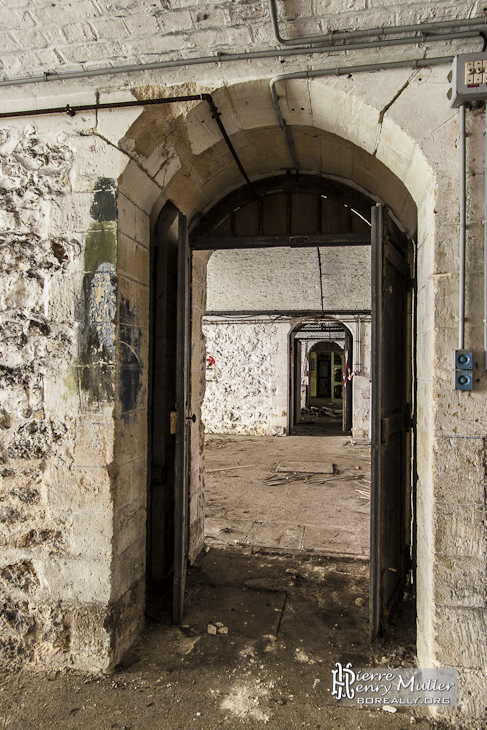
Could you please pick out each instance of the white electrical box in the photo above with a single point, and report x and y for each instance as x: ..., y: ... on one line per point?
x: 469, y: 78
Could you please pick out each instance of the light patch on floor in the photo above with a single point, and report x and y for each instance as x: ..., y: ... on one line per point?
x: 243, y: 701
x: 185, y: 644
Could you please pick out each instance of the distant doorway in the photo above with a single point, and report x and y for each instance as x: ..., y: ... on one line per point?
x: 321, y: 381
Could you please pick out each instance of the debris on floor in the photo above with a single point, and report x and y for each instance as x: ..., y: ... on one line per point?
x: 274, y: 670
x: 305, y: 467
x: 365, y: 493
x: 297, y: 494
x: 230, y: 468
x: 309, y: 477
x: 322, y: 412
x: 217, y: 628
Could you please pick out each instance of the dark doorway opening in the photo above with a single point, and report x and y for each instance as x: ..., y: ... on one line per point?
x: 228, y: 226
x: 162, y: 399
x: 321, y: 382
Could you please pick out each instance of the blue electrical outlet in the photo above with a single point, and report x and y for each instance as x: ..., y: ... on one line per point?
x: 463, y: 360
x: 463, y: 379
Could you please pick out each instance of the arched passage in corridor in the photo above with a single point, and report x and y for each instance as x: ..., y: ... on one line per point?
x: 358, y: 179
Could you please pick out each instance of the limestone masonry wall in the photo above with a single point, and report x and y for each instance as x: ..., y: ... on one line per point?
x: 37, y: 338
x: 58, y: 390
x: 246, y: 388
x: 79, y: 200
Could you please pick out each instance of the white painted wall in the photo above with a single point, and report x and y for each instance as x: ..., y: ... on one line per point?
x: 247, y: 387
x: 288, y: 279
x: 39, y: 37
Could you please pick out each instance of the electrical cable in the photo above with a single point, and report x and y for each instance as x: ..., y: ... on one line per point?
x: 422, y: 29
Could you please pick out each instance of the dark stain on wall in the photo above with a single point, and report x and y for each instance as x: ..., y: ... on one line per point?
x: 35, y: 439
x: 17, y: 626
x: 131, y: 368
x: 97, y: 383
x: 23, y: 623
x: 126, y: 312
x: 26, y: 495
x: 130, y: 387
x: 104, y: 206
x: 98, y: 308
x: 9, y: 515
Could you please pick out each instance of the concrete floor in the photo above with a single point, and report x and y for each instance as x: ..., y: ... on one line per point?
x: 294, y: 493
x: 284, y: 614
x: 288, y: 620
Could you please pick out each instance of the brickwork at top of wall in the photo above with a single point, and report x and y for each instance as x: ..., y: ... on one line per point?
x: 37, y: 36
x: 289, y: 279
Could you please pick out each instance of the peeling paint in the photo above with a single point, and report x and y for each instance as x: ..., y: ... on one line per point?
x: 103, y: 304
x: 97, y: 338
x: 104, y: 206
x: 101, y: 245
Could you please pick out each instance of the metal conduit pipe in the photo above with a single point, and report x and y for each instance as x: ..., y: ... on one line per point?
x: 73, y: 110
x: 485, y: 244
x: 358, y: 347
x: 389, y: 42
x: 229, y: 57
x: 421, y: 28
x: 463, y: 217
x: 340, y: 71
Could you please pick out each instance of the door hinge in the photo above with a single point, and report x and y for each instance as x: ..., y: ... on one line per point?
x: 410, y: 420
x: 412, y: 282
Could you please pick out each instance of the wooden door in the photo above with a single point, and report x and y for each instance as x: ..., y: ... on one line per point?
x: 182, y: 418
x: 391, y: 362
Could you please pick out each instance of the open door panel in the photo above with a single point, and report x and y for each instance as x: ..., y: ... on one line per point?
x: 182, y: 425
x: 347, y: 384
x: 391, y: 363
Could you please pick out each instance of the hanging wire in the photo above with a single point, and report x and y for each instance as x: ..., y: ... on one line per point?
x: 321, y: 284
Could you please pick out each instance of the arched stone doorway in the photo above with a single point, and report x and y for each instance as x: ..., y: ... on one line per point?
x: 275, y: 218
x: 362, y: 172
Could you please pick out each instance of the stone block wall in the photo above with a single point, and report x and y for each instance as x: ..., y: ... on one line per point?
x: 38, y: 37
x: 247, y: 387
x: 58, y: 393
x: 451, y: 439
x: 130, y: 418
x: 73, y: 396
